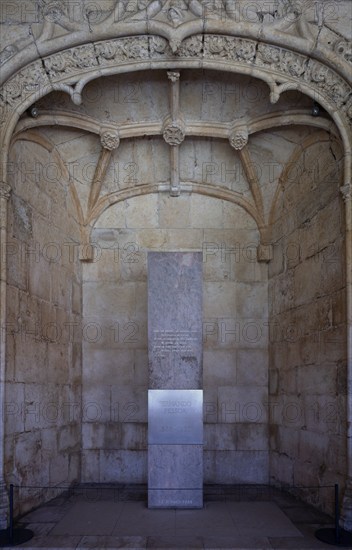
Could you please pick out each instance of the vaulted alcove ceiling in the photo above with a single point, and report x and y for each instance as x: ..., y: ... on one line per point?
x: 174, y: 128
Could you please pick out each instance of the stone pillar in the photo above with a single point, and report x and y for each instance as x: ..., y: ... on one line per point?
x: 5, y: 191
x: 175, y: 400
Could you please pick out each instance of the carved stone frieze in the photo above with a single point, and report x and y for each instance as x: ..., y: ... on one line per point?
x: 191, y: 47
x: 228, y: 47
x: 328, y: 82
x: 279, y: 59
x: 120, y: 50
x: 91, y: 57
x: 32, y: 81
x: 62, y: 18
x: 313, y: 72
x: 71, y: 61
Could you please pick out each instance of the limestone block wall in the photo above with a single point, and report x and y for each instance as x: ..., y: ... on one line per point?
x: 43, y: 374
x: 115, y: 354
x: 307, y: 301
x: 284, y: 175
x: 235, y: 324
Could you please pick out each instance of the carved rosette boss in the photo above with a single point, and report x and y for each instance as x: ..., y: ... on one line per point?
x: 110, y: 139
x: 239, y: 138
x: 174, y: 133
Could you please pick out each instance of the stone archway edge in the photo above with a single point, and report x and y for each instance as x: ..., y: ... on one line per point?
x: 284, y: 62
x: 281, y: 34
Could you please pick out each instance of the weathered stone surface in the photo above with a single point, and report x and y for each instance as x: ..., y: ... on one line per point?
x: 175, y: 476
x: 175, y: 320
x: 175, y: 405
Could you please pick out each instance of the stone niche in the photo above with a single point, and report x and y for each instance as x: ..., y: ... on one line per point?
x: 175, y: 400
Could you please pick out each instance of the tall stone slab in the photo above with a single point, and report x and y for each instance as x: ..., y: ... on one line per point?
x: 175, y: 399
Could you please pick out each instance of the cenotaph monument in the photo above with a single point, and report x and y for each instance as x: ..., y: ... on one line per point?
x: 175, y: 397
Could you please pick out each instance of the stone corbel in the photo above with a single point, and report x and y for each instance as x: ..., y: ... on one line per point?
x: 86, y: 252
x: 265, y: 250
x: 86, y: 248
x: 265, y: 253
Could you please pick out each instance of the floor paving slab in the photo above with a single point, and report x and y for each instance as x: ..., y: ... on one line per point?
x: 137, y: 519
x: 261, y: 519
x: 80, y: 522
x: 89, y: 518
x: 110, y: 542
x: 186, y: 543
x: 229, y: 543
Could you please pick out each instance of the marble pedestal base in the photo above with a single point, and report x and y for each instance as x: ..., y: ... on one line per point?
x: 175, y: 476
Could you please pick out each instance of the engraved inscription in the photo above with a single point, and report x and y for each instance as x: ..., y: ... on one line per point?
x: 175, y: 416
x: 174, y: 341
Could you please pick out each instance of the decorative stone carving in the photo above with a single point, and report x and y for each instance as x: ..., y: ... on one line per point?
x: 5, y: 191
x: 328, y: 82
x: 286, y: 16
x: 293, y: 64
x: 239, y: 138
x: 54, y: 12
x: 245, y: 50
x: 176, y: 12
x: 32, y: 79
x: 344, y: 49
x: 191, y: 47
x: 110, y: 139
x: 174, y: 133
x: 82, y: 59
x: 122, y: 50
x: 230, y: 48
x: 70, y: 61
x: 159, y: 46
x: 268, y: 56
x: 174, y: 76
x: 7, y: 53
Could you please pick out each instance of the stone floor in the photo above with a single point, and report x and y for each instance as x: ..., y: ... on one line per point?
x: 101, y: 517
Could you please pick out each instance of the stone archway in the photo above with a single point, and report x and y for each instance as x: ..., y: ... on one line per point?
x: 319, y: 73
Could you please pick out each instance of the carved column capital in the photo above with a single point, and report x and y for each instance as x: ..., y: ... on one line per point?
x: 174, y: 76
x: 5, y: 190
